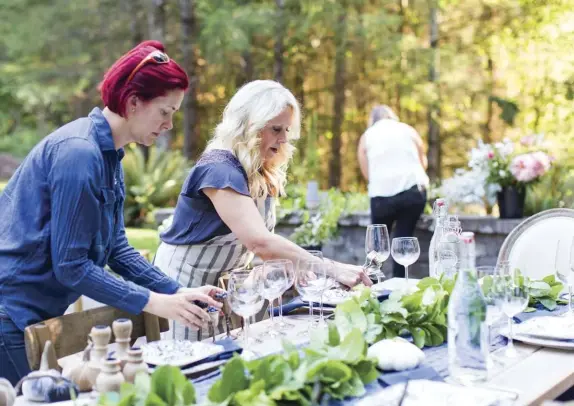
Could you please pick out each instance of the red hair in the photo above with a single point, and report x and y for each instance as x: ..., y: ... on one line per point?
x: 151, y: 81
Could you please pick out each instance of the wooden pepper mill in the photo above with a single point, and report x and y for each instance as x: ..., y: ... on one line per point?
x: 110, y: 378
x: 100, y: 336
x: 123, y: 334
x: 135, y: 364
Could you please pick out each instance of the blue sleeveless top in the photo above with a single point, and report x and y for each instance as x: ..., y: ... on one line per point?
x: 195, y: 219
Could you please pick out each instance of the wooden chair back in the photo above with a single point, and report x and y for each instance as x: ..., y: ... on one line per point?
x: 69, y: 333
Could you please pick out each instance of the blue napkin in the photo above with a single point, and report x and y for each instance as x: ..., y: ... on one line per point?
x: 229, y: 348
x: 420, y: 372
x: 298, y: 302
x: 540, y: 311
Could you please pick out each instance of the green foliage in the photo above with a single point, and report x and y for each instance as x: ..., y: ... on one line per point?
x: 328, y: 368
x: 143, y: 239
x: 556, y: 189
x: 423, y: 313
x: 152, y: 184
x: 167, y: 386
x: 20, y: 142
x: 321, y: 225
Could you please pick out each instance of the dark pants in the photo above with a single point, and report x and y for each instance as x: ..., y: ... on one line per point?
x: 13, y: 361
x: 401, y: 211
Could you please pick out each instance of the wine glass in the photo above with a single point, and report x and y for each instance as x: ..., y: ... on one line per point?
x: 489, y: 281
x: 290, y: 274
x: 310, y: 281
x: 406, y: 251
x: 318, y: 254
x: 377, y: 248
x: 245, y: 295
x: 514, y: 298
x: 564, y: 266
x: 274, y: 280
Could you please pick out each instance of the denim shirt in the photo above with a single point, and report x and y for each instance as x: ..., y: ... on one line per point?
x: 61, y: 222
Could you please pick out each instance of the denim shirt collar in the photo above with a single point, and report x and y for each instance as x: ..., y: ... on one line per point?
x: 104, y: 132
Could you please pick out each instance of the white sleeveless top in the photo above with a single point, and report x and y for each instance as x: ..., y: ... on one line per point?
x: 393, y: 158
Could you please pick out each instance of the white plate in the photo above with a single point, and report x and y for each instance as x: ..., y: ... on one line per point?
x: 332, y: 297
x: 178, y: 352
x: 548, y: 327
x: 394, y: 284
x: 541, y: 342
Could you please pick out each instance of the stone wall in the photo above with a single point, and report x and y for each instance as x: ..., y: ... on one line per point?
x: 349, y: 245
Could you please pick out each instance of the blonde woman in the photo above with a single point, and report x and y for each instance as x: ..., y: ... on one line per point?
x: 225, y: 213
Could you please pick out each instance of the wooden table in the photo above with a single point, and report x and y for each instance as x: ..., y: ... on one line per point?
x: 537, y: 375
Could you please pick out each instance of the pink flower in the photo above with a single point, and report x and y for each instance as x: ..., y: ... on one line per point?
x: 490, y: 155
x: 528, y: 167
x: 528, y: 140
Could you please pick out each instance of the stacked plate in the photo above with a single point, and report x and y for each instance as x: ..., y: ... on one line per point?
x: 545, y: 331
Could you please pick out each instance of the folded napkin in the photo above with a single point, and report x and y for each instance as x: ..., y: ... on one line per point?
x: 421, y: 372
x: 229, y: 349
x: 540, y: 311
x: 298, y: 302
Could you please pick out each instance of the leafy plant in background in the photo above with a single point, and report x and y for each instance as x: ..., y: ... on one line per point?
x: 555, y: 190
x: 321, y: 225
x: 328, y: 368
x: 152, y: 184
x: 167, y: 386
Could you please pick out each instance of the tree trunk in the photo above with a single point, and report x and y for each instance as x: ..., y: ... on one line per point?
x: 136, y: 35
x: 339, y: 102
x: 188, y: 41
x: 487, y: 127
x: 434, y: 151
x: 279, y: 39
x: 403, y: 27
x: 156, y: 28
x: 156, y: 20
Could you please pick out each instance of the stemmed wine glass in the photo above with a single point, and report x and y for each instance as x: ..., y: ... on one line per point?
x: 406, y: 251
x: 310, y: 281
x: 377, y: 248
x: 245, y: 295
x: 274, y: 280
x: 290, y: 279
x: 489, y: 279
x: 514, y: 299
x: 565, y: 270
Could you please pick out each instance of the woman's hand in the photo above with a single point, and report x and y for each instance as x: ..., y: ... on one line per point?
x: 351, y: 275
x: 208, y: 290
x: 180, y: 306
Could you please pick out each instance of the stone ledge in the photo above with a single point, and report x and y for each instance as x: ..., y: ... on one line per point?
x: 476, y: 224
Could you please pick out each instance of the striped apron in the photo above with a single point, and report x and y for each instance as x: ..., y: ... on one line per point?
x: 204, y: 263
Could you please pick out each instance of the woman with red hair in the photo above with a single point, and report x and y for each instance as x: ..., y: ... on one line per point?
x: 62, y: 212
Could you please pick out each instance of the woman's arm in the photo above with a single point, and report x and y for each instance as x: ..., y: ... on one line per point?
x: 420, y: 148
x: 362, y: 156
x: 240, y: 214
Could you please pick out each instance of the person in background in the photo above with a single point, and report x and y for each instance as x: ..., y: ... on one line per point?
x: 393, y: 162
x: 62, y: 213
x: 225, y: 213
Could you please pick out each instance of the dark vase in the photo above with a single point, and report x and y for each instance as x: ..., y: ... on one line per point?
x: 511, y: 202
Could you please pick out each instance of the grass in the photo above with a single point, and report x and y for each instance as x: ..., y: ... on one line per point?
x: 2, y: 185
x: 143, y: 239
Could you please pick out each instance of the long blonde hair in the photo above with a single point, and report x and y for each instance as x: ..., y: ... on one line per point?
x: 246, y: 114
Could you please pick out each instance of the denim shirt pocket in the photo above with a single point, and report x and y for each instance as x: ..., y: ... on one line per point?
x: 103, y: 239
